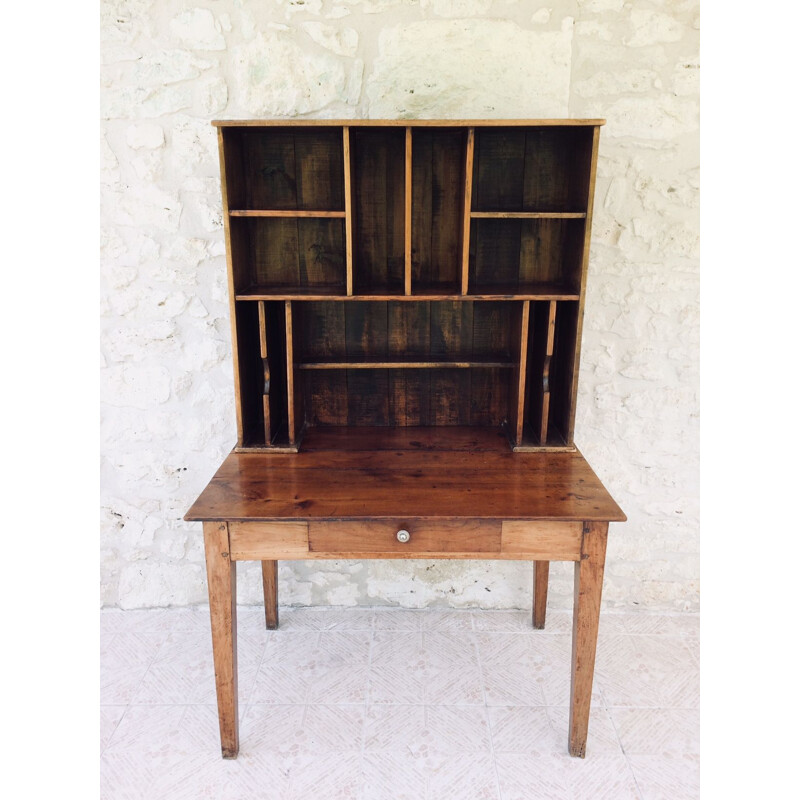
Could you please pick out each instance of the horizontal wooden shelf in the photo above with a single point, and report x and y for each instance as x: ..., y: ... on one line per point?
x: 404, y: 123
x: 288, y: 213
x: 410, y: 364
x: 527, y: 214
x: 539, y: 291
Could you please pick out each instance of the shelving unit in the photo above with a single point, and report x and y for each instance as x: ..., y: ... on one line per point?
x: 409, y: 274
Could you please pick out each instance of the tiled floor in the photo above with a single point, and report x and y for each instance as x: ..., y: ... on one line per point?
x: 389, y: 703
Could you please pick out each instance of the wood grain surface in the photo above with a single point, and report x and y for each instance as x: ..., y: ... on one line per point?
x: 425, y: 473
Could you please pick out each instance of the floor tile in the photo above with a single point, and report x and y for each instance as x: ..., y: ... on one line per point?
x: 504, y: 621
x: 395, y: 703
x: 321, y: 619
x: 310, y: 649
x: 602, y: 739
x: 657, y: 731
x: 296, y: 730
x: 109, y: 719
x: 522, y: 729
x: 512, y: 685
x: 334, y: 776
x: 402, y: 776
x: 660, y: 778
x: 598, y: 778
x: 183, y: 670
x: 125, y: 659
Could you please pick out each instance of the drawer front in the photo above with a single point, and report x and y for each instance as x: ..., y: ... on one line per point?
x: 456, y: 538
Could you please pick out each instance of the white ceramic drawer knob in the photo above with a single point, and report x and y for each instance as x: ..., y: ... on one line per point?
x: 403, y: 536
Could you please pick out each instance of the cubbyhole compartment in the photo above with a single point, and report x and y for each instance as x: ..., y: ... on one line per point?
x: 407, y: 397
x: 431, y: 334
x: 288, y: 255
x: 532, y: 169
x: 262, y: 390
x: 437, y: 185
x: 378, y: 185
x: 526, y: 256
x: 288, y: 169
x: 549, y: 400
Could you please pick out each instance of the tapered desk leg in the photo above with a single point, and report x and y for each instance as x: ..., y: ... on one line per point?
x: 222, y: 601
x: 541, y: 573
x: 269, y: 577
x: 585, y: 622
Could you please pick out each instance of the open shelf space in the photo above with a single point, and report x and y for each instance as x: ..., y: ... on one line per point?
x: 437, y: 217
x: 293, y: 255
x: 382, y: 332
x: 532, y: 169
x: 377, y: 167
x: 519, y: 255
x: 407, y: 397
x: 291, y: 169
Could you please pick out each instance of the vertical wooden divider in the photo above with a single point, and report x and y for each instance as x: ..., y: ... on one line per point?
x: 587, y: 235
x: 348, y: 212
x: 237, y: 390
x: 522, y: 369
x: 548, y: 357
x: 470, y: 155
x: 262, y: 338
x: 290, y: 375
x: 407, y: 237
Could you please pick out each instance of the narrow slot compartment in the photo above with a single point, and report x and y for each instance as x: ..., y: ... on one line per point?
x: 550, y: 373
x: 525, y: 256
x: 378, y: 205
x: 563, y: 375
x: 271, y: 168
x: 299, y: 255
x: 262, y: 393
x: 532, y: 169
x: 437, y: 185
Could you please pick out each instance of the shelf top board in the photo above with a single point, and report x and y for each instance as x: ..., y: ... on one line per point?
x: 411, y: 473
x: 406, y: 123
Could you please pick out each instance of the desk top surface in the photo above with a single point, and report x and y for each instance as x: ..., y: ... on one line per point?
x: 452, y: 473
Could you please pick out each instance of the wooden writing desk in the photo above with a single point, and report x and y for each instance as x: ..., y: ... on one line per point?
x: 406, y: 305
x: 459, y: 493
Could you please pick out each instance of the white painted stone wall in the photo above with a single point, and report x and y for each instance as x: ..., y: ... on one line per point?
x: 170, y: 66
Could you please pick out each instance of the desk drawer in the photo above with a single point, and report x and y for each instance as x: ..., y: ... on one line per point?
x: 456, y: 538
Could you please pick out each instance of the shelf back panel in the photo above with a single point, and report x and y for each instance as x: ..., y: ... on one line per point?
x: 407, y: 397
x: 378, y: 182
x: 532, y: 169
x: 299, y: 169
x: 285, y: 253
x: 437, y: 208
x: 363, y: 331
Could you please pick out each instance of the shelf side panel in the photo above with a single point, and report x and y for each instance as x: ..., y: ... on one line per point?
x: 584, y: 257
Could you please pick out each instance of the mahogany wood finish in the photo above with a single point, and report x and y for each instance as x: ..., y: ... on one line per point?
x: 406, y: 305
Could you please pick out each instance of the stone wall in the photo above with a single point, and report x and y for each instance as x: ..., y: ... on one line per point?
x: 170, y: 66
